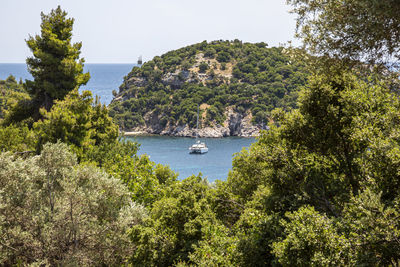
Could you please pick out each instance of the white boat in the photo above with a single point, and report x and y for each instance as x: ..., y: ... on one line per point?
x: 198, y: 147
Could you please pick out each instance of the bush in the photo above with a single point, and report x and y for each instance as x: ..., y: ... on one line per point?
x: 56, y: 212
x: 203, y: 67
x: 223, y: 56
x: 210, y: 52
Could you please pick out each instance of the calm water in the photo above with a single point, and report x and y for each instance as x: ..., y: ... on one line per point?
x: 104, y: 77
x: 173, y: 151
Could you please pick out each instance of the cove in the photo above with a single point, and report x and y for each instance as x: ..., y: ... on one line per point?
x: 174, y: 151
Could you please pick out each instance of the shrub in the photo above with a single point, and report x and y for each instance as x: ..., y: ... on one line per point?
x: 56, y: 212
x: 203, y: 67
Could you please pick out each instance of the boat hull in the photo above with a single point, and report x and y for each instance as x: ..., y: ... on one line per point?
x: 198, y: 150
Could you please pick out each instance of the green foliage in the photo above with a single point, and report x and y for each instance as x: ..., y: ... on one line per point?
x: 311, y: 239
x: 313, y: 174
x: 143, y: 178
x: 223, y: 56
x: 9, y: 90
x: 373, y: 229
x: 175, y: 225
x: 55, y: 212
x: 246, y: 76
x: 17, y: 138
x: 356, y: 29
x: 366, y: 235
x: 322, y: 148
x: 256, y: 232
x: 76, y: 122
x: 217, y: 247
x: 14, y: 101
x: 203, y: 67
x: 210, y: 52
x: 14, y: 105
x: 55, y: 65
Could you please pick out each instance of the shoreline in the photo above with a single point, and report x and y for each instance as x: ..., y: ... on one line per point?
x: 135, y: 133
x: 144, y: 133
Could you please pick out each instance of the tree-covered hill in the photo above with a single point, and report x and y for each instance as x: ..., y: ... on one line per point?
x: 225, y: 78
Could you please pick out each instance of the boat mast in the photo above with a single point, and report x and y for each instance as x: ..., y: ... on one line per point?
x: 197, y: 124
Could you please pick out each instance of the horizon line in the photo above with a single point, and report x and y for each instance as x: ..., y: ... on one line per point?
x: 83, y: 63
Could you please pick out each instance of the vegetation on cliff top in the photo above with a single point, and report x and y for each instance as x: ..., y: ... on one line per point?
x: 220, y: 74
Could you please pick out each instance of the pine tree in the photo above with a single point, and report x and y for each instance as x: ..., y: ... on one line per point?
x: 55, y: 64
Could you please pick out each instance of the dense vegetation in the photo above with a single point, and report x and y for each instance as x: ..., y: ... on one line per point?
x: 10, y: 90
x: 56, y: 212
x: 350, y: 29
x: 221, y: 74
x: 70, y: 189
x: 320, y: 188
x: 55, y: 65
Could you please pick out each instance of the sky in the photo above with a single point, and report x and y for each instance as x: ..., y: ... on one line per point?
x: 119, y: 31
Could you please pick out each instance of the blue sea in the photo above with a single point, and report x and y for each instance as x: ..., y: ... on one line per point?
x: 172, y: 151
x: 104, y: 78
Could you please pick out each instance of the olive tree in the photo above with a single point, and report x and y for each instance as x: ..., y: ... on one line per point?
x: 56, y: 212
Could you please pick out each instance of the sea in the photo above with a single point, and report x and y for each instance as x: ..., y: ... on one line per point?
x: 104, y: 78
x: 171, y: 151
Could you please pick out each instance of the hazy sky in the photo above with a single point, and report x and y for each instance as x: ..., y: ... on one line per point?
x: 118, y: 31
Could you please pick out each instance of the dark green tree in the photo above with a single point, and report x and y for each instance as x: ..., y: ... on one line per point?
x: 55, y: 64
x: 10, y: 93
x: 342, y: 141
x: 78, y: 122
x: 356, y: 29
x: 203, y: 67
x: 176, y: 224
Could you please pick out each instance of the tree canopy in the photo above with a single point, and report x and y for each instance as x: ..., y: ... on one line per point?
x: 55, y: 64
x: 328, y: 159
x: 56, y: 212
x: 355, y: 29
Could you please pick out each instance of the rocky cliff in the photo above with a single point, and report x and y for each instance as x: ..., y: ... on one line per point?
x: 235, y: 124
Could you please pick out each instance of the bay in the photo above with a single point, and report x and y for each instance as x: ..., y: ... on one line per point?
x: 174, y: 151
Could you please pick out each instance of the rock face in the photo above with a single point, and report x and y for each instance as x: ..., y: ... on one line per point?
x: 175, y: 80
x: 235, y: 125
